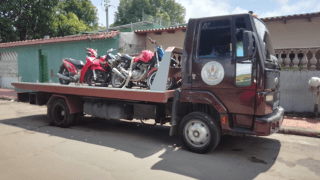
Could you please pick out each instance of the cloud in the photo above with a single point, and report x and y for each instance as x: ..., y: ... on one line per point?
x: 206, y: 8
x: 287, y: 8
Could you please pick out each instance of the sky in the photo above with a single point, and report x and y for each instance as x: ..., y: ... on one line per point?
x: 205, y: 8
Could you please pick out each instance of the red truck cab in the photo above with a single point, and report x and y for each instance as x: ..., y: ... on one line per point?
x: 229, y: 72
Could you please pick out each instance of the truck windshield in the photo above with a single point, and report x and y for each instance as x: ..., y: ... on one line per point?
x: 264, y: 35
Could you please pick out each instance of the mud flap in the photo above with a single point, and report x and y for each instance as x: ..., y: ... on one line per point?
x: 174, y: 115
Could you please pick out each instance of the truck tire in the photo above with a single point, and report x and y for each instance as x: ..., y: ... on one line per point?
x: 60, y: 113
x: 62, y: 71
x: 199, y: 132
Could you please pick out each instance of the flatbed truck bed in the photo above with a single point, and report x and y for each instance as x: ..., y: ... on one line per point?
x: 98, y: 92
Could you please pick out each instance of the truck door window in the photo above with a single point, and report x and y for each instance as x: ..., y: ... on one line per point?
x: 263, y: 34
x: 240, y: 27
x: 243, y: 68
x: 215, y: 39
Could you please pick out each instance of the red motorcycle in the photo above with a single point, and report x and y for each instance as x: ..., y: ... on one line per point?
x: 96, y: 71
x: 141, y: 69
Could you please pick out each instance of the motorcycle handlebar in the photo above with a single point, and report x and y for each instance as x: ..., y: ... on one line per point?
x: 152, y: 41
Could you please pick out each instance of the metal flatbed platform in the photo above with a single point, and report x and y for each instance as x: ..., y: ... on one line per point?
x: 100, y: 92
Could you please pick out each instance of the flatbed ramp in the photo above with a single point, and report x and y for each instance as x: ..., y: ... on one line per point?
x: 100, y: 92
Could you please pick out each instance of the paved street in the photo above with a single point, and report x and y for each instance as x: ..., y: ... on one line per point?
x: 107, y: 149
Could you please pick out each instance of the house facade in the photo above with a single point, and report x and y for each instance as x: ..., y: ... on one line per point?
x: 39, y: 60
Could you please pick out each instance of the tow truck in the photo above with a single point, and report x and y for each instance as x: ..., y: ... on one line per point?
x: 229, y: 85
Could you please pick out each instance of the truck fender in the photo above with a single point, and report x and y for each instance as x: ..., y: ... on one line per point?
x: 201, y: 97
x: 74, y: 103
x: 151, y: 71
x: 174, y: 118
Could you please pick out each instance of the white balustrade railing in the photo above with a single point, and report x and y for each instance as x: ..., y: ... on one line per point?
x: 296, y: 59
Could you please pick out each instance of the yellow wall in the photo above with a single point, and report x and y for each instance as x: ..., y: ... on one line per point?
x: 166, y: 39
x: 296, y: 33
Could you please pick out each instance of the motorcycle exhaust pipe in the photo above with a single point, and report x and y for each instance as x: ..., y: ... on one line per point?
x: 60, y: 76
x: 114, y: 70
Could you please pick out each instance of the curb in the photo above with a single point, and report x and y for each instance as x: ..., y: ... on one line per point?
x: 8, y: 98
x: 300, y: 131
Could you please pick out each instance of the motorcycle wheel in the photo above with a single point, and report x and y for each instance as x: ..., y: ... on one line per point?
x: 117, y: 81
x: 62, y: 71
x: 170, y: 82
x: 101, y: 78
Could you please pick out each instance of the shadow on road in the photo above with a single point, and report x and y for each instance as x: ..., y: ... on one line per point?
x: 234, y: 158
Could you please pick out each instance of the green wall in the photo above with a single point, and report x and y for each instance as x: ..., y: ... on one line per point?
x: 28, y: 56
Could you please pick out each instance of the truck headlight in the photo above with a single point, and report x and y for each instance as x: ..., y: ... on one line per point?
x: 269, y: 97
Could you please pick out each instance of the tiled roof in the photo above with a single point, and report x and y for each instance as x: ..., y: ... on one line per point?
x: 161, y: 29
x: 60, y: 39
x: 276, y: 18
x: 294, y: 16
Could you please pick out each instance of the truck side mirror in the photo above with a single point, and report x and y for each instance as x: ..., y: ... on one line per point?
x: 249, y: 49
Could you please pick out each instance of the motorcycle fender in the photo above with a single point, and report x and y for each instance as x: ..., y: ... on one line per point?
x: 151, y: 71
x: 97, y: 68
x: 71, y: 68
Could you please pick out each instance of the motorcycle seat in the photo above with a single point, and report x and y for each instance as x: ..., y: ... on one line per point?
x: 75, y: 62
x: 126, y: 56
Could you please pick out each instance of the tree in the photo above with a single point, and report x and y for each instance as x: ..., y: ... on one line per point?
x: 33, y: 19
x: 67, y: 25
x: 83, y: 9
x: 25, y: 19
x: 132, y: 11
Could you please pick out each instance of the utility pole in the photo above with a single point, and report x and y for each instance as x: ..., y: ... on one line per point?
x: 107, y: 5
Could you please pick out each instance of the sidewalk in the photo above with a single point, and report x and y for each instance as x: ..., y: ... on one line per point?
x: 8, y: 94
x: 290, y: 125
x: 300, y: 126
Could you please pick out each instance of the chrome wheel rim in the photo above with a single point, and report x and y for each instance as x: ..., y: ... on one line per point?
x: 59, y: 114
x: 197, y: 133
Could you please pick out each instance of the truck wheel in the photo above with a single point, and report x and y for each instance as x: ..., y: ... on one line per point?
x: 199, y: 132
x: 63, y: 70
x: 60, y: 113
x: 170, y: 82
x: 117, y: 81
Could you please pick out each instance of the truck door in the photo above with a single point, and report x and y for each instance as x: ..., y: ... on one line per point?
x: 219, y: 66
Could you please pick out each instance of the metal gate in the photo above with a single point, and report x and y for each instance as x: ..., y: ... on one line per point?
x: 8, y: 69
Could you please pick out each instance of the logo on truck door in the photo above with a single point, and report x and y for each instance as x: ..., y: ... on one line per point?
x: 212, y: 73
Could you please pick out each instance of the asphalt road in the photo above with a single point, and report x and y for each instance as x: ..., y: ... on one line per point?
x: 107, y: 149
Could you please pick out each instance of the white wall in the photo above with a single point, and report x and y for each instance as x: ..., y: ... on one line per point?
x: 8, y: 69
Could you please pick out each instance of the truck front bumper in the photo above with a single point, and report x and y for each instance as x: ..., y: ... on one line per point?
x: 269, y: 124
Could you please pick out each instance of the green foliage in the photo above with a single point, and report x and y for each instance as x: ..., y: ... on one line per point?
x: 83, y: 9
x: 25, y: 19
x: 33, y: 19
x: 67, y: 25
x: 132, y: 11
